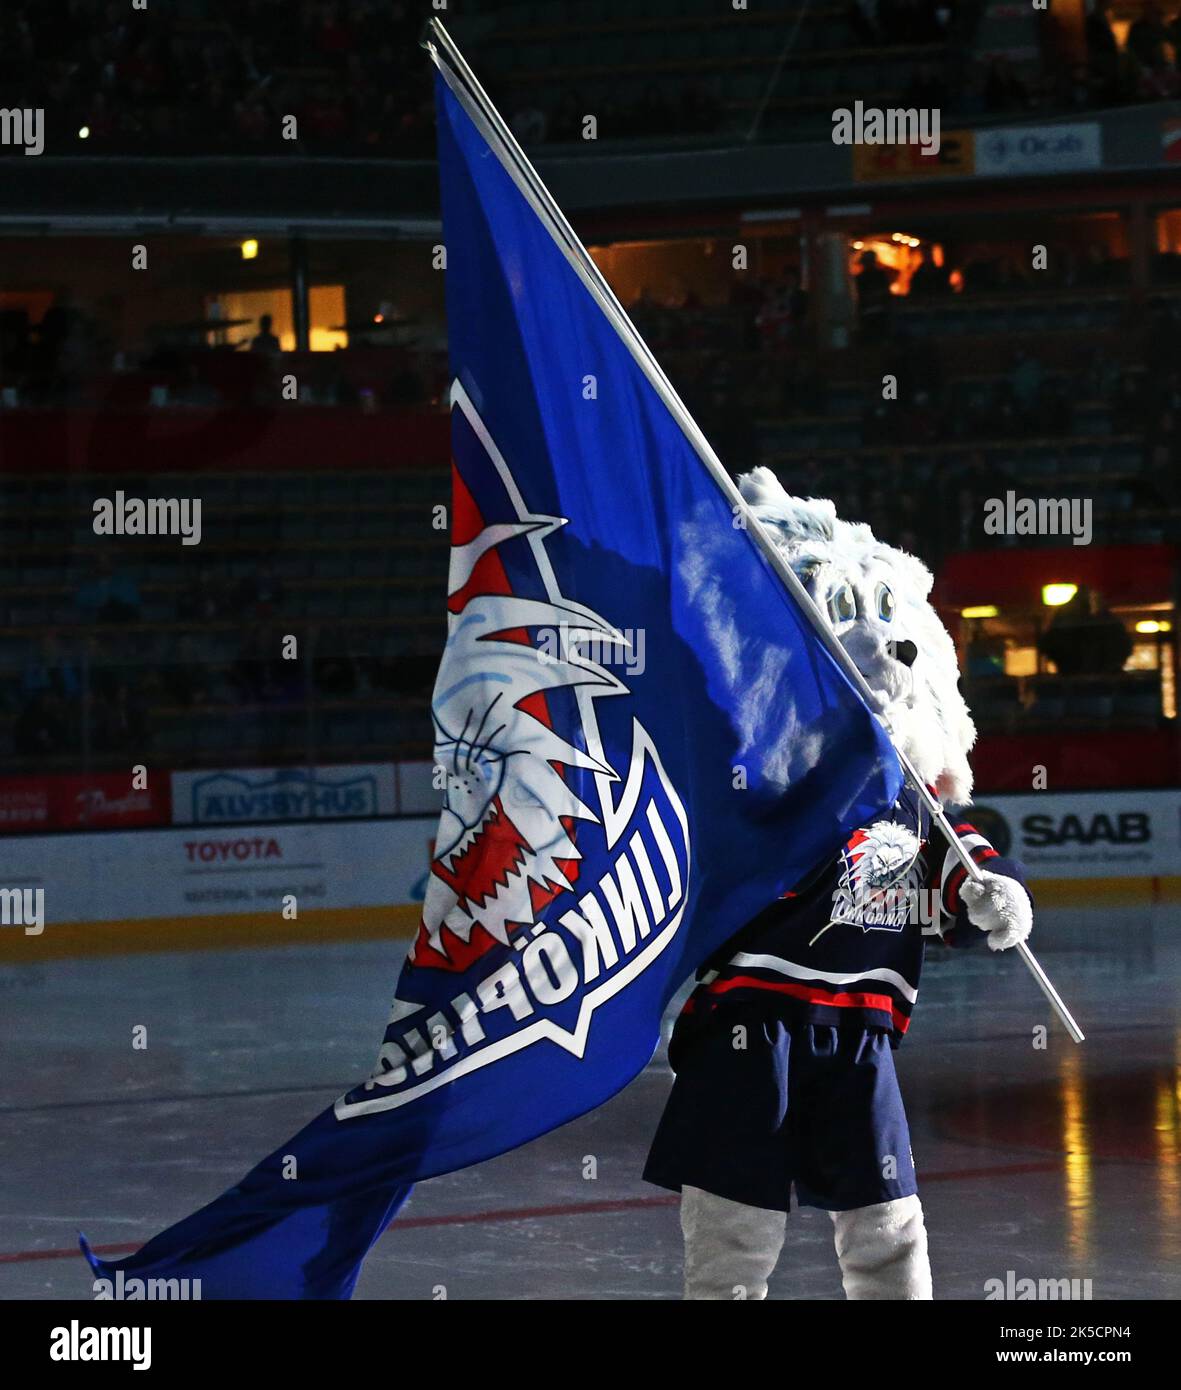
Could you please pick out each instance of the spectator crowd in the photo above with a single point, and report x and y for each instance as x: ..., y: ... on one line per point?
x: 222, y: 76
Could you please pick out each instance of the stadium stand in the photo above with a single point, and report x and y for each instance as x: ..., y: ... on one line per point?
x: 1058, y: 382
x: 215, y: 76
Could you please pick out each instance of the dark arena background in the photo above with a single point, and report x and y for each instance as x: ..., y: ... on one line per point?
x: 220, y: 279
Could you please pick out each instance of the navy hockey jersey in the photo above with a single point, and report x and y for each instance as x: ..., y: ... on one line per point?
x: 846, y: 947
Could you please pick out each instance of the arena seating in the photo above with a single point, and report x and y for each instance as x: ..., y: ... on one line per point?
x: 347, y: 562
x: 313, y: 533
x: 209, y: 76
x: 1005, y: 704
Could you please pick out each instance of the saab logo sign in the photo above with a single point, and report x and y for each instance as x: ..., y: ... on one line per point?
x: 258, y: 795
x: 1087, y: 834
x: 1047, y: 149
x: 1128, y: 828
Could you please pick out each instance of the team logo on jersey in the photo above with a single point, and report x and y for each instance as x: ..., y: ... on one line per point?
x: 880, y: 878
x: 561, y: 861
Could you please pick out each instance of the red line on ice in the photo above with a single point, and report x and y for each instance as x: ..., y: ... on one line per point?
x: 484, y: 1218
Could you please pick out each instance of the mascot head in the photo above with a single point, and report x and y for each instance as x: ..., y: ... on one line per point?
x: 875, y: 600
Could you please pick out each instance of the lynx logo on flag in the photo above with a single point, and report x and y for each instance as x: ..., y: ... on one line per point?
x: 606, y: 826
x: 557, y: 875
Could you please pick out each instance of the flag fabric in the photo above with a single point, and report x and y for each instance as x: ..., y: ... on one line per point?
x: 639, y: 739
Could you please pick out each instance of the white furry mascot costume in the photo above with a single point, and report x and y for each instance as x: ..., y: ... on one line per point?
x: 783, y: 1054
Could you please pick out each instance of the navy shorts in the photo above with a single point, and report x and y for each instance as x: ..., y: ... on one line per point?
x: 802, y: 1104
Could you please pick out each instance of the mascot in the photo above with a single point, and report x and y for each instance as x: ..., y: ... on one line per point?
x: 783, y: 1053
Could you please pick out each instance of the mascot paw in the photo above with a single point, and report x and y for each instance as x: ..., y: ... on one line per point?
x: 999, y: 906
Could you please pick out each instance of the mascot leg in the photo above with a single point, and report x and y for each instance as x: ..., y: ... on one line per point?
x: 730, y: 1249
x: 883, y: 1250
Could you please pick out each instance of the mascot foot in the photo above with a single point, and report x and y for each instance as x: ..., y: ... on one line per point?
x: 730, y: 1249
x: 883, y: 1251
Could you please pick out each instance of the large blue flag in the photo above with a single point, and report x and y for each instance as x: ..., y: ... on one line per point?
x: 640, y: 743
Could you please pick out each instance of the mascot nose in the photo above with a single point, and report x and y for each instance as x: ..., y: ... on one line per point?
x: 904, y: 651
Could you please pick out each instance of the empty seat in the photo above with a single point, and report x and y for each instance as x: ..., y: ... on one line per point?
x: 322, y: 604
x: 343, y: 728
x: 1095, y: 706
x: 1142, y: 709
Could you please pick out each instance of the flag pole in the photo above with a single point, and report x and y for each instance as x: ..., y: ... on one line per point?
x: 466, y: 88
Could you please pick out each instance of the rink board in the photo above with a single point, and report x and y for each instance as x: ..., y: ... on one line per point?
x: 224, y: 885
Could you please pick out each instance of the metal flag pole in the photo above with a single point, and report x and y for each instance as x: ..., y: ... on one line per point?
x: 476, y: 103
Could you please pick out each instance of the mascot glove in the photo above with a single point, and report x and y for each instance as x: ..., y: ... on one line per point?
x: 1000, y: 906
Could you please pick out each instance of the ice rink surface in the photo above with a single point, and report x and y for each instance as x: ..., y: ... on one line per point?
x: 1055, y: 1163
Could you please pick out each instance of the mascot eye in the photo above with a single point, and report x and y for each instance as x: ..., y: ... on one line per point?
x: 885, y: 603
x: 842, y: 607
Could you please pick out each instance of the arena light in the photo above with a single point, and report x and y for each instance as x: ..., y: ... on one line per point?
x: 980, y: 610
x: 1055, y: 595
x: 249, y: 249
x: 1151, y: 625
